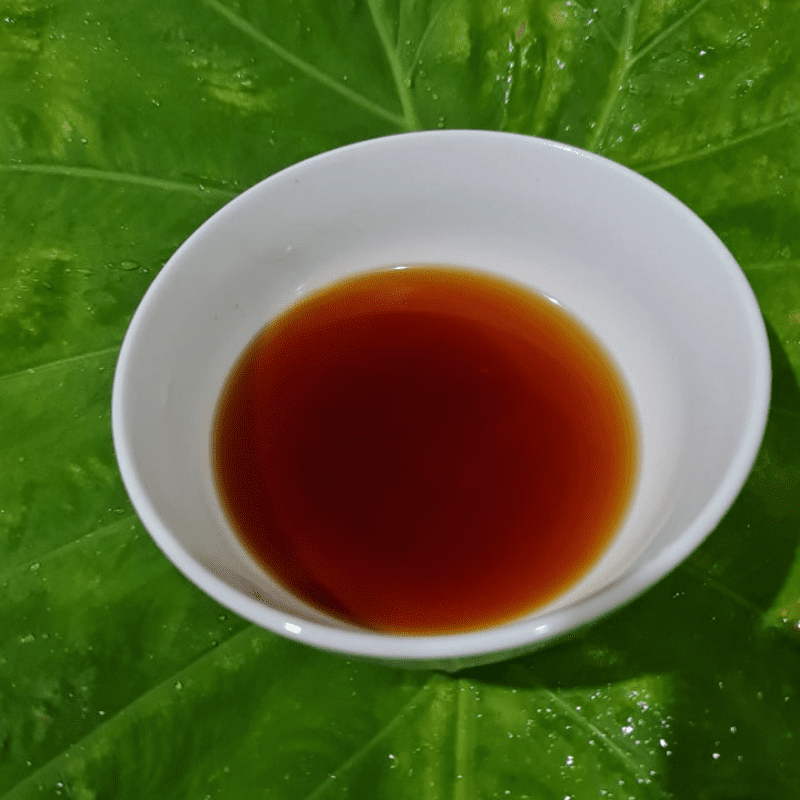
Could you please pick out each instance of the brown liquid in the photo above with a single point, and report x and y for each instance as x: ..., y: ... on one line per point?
x: 425, y: 450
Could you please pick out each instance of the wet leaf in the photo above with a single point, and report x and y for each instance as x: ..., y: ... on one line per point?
x: 123, y: 127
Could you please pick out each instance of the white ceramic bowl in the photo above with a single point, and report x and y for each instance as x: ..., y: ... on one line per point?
x: 643, y: 272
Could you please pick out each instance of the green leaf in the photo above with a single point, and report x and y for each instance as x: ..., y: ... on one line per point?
x: 122, y: 127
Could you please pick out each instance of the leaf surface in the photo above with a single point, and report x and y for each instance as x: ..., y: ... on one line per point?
x: 122, y: 128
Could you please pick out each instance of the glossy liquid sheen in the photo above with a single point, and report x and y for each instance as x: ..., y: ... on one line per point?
x: 425, y: 450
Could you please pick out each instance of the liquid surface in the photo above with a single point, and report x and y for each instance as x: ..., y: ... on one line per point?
x: 425, y: 450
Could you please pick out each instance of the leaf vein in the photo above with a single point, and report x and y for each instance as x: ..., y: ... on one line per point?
x: 712, y: 149
x: 537, y: 684
x: 707, y: 580
x: 668, y: 31
x: 615, y: 82
x: 410, y: 118
x: 57, y: 552
x: 777, y: 264
x: 794, y: 413
x: 721, y: 588
x: 630, y: 763
x: 365, y: 748
x: 424, y: 40
x: 39, y: 777
x: 69, y: 171
x: 57, y: 364
x: 601, y: 25
x: 303, y: 66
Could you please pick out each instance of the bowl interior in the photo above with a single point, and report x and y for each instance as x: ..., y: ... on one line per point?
x: 639, y: 269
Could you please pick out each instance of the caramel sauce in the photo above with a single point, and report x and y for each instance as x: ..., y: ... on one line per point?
x: 425, y: 450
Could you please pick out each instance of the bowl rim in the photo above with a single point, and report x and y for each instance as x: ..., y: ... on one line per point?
x: 516, y: 634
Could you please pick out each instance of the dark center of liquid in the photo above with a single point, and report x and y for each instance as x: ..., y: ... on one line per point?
x: 425, y: 450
